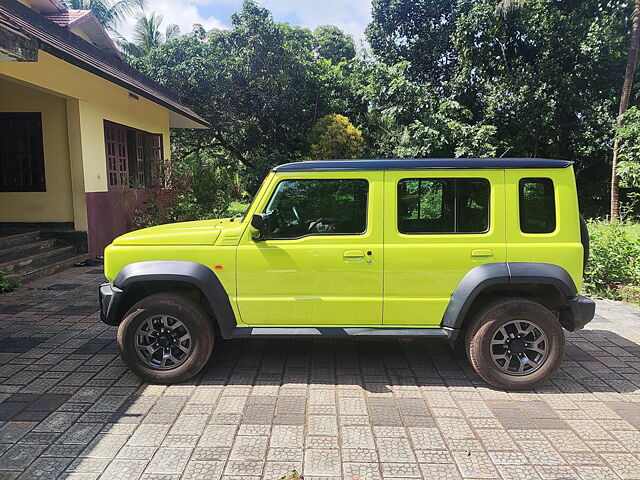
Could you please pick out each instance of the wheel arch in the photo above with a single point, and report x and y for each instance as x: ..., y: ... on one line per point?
x: 550, y: 285
x: 140, y: 279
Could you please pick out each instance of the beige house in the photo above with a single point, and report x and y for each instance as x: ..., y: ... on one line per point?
x: 80, y: 130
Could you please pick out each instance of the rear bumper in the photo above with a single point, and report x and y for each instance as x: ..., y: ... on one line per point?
x: 110, y: 297
x: 581, y: 311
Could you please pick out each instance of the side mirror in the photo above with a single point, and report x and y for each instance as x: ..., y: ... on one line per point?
x: 260, y: 221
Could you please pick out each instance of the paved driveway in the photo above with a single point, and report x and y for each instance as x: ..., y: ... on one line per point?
x: 330, y: 409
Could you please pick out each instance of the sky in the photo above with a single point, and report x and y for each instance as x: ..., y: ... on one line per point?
x: 352, y: 16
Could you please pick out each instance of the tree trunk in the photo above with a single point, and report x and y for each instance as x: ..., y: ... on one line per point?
x: 632, y: 61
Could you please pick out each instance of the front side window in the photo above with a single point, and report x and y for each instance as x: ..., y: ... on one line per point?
x: 443, y: 205
x: 318, y: 207
x: 537, y: 205
x: 21, y: 153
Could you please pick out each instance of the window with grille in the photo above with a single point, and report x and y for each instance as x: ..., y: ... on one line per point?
x: 131, y: 154
x: 21, y: 153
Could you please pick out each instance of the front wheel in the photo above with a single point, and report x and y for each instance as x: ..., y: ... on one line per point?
x: 515, y: 344
x: 165, y: 338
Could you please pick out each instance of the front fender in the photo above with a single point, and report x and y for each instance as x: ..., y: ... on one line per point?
x: 196, y: 274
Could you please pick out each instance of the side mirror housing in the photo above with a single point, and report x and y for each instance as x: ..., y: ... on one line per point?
x: 260, y: 222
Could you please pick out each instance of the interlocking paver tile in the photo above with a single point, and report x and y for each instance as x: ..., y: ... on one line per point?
x: 361, y: 471
x: 395, y: 450
x: 321, y: 463
x: 169, y: 460
x: 444, y: 471
x: 475, y: 465
x: 331, y: 409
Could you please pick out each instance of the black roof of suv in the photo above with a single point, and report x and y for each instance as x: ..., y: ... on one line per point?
x: 424, y: 164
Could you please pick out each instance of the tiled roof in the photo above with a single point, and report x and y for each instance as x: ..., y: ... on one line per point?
x: 69, y: 18
x: 62, y: 43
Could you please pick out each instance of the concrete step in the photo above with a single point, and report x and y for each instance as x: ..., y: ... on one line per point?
x: 15, y: 239
x: 48, y: 269
x: 37, y: 260
x: 22, y: 251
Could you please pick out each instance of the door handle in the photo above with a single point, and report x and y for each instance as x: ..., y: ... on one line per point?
x: 482, y: 252
x: 353, y: 254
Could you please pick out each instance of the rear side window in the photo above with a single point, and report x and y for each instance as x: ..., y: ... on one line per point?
x: 537, y: 205
x: 318, y: 207
x: 443, y: 205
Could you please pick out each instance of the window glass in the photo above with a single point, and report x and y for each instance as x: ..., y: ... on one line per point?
x: 21, y: 153
x: 131, y: 155
x: 443, y: 205
x: 537, y: 205
x: 318, y: 207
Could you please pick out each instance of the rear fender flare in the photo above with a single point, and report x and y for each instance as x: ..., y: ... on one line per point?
x: 504, y: 273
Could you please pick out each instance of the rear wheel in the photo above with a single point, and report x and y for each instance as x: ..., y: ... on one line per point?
x: 166, y: 338
x: 515, y: 344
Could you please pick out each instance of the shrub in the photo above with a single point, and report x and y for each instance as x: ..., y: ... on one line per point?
x: 193, y: 188
x: 613, y: 269
x: 6, y: 285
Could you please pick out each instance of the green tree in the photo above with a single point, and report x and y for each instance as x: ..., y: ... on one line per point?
x: 258, y: 83
x: 625, y: 96
x: 545, y: 75
x: 410, y: 119
x: 632, y: 61
x: 333, y: 44
x: 417, y: 31
x: 628, y: 141
x: 334, y: 137
x: 110, y: 13
x: 147, y: 35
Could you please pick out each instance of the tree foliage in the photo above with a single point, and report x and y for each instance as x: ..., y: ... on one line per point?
x: 147, y: 35
x: 628, y: 136
x: 333, y: 44
x: 335, y: 137
x: 447, y: 78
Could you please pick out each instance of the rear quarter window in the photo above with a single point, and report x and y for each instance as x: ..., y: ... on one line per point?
x: 537, y: 205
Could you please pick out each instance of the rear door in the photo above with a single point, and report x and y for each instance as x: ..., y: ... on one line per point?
x: 438, y: 226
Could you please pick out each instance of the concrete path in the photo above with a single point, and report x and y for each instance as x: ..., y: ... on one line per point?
x: 329, y: 409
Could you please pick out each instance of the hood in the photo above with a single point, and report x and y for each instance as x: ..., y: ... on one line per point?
x: 201, y: 232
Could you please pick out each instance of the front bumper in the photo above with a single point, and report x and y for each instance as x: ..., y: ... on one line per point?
x: 581, y: 311
x: 110, y: 298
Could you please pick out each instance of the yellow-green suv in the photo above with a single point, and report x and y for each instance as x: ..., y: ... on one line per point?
x: 489, y: 250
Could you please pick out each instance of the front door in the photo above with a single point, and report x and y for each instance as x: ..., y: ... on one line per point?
x: 439, y: 225
x: 320, y: 262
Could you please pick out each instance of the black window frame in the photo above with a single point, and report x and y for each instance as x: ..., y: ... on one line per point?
x: 455, y: 212
x: 38, y: 141
x: 366, y: 213
x: 547, y: 180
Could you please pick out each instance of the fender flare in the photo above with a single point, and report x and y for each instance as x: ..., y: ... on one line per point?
x: 196, y: 274
x: 503, y: 273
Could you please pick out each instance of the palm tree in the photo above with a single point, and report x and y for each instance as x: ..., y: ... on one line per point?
x: 632, y: 61
x: 110, y: 13
x: 147, y: 35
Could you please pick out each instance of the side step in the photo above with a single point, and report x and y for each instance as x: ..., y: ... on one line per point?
x: 329, y: 332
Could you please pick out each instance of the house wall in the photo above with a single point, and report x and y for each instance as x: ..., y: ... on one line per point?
x: 90, y: 100
x: 99, y: 100
x: 56, y: 203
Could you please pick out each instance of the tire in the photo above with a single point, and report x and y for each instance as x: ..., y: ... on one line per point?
x: 176, y: 309
x: 503, y: 373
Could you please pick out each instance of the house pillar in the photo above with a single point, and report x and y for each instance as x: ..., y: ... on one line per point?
x: 74, y: 129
